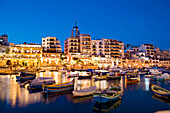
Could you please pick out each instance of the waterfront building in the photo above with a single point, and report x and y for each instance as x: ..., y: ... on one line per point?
x: 51, y: 44
x: 25, y: 55
x: 72, y: 44
x: 109, y: 47
x: 148, y: 49
x: 4, y: 39
x: 85, y: 44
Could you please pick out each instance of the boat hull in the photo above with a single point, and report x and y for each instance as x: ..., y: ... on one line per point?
x: 100, y: 98
x: 58, y: 90
x: 159, y: 91
x: 25, y: 78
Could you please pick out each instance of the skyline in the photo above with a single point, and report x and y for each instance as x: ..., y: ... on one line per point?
x: 134, y: 22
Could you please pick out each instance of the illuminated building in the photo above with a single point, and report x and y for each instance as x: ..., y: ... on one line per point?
x: 51, y: 44
x: 148, y: 49
x: 85, y: 44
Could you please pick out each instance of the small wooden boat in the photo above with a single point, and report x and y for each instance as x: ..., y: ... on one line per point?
x: 38, y: 82
x: 130, y: 80
x: 61, y: 87
x: 25, y: 78
x: 149, y: 76
x: 72, y: 74
x: 158, y: 78
x: 100, y: 77
x: 110, y: 90
x: 159, y: 91
x: 103, y: 98
x: 85, y: 92
x: 113, y: 76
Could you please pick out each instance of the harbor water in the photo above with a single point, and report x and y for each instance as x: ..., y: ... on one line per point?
x: 136, y: 98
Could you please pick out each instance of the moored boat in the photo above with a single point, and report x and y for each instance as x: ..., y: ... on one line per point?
x: 155, y: 72
x: 85, y: 92
x: 61, y: 87
x: 159, y: 91
x: 103, y: 98
x: 38, y: 82
x: 25, y: 78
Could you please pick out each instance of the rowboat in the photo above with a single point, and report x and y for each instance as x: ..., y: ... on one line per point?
x: 103, y: 98
x: 155, y: 71
x: 38, y: 82
x: 61, y: 87
x: 132, y: 78
x: 25, y: 78
x: 149, y: 76
x: 158, y: 78
x: 159, y: 91
x: 113, y: 76
x: 100, y: 77
x: 106, y: 107
x: 85, y: 92
x: 109, y: 90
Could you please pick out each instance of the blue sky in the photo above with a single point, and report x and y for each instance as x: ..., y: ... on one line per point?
x: 131, y: 21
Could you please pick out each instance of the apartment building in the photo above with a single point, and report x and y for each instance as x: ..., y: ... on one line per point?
x: 85, y: 44
x: 51, y: 44
x: 148, y: 49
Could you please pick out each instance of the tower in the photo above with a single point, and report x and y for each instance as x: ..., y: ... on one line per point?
x: 75, y: 31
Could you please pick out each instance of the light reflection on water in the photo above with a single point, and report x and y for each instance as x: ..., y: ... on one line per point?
x: 12, y: 94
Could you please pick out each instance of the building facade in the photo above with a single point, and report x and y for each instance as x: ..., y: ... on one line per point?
x: 51, y: 44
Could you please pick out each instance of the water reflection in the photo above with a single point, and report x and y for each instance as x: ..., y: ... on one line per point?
x: 106, y: 107
x: 11, y: 93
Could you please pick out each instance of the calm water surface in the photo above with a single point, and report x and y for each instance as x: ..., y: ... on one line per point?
x: 136, y: 98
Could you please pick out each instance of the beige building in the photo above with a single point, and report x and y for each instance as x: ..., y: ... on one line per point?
x: 51, y: 44
x: 108, y: 47
x: 85, y: 44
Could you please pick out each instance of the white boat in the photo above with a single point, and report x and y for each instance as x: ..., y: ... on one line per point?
x: 38, y: 82
x: 62, y: 70
x: 85, y: 92
x: 155, y: 71
x: 115, y: 69
x: 72, y: 74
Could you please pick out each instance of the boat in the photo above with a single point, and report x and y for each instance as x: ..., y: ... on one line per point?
x: 100, y: 77
x: 132, y: 78
x: 62, y: 70
x: 72, y: 74
x: 85, y: 92
x: 28, y: 74
x: 103, y: 98
x: 149, y: 76
x: 61, y: 87
x: 159, y: 91
x: 155, y: 71
x: 25, y: 78
x: 113, y: 76
x: 109, y: 90
x: 38, y: 82
x: 106, y: 107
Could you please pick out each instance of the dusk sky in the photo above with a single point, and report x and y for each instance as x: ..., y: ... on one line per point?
x: 131, y: 21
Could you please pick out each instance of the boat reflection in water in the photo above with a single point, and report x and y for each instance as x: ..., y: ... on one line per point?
x: 106, y: 107
x: 165, y: 100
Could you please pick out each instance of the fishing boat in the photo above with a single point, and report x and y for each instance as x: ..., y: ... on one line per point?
x: 72, y: 74
x: 158, y: 78
x: 38, y: 82
x: 132, y: 78
x: 61, y: 87
x: 106, y: 107
x: 109, y: 90
x: 85, y: 92
x: 103, y: 98
x: 155, y: 72
x: 25, y: 78
x: 100, y: 77
x: 159, y: 91
x: 149, y: 76
x: 113, y: 76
